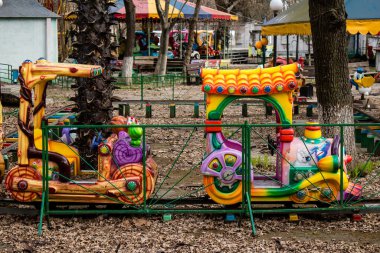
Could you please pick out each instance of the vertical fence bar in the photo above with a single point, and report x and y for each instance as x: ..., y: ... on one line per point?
x: 244, y: 161
x: 44, y: 177
x: 341, y: 165
x: 248, y: 157
x: 144, y: 166
x: 141, y: 90
x: 172, y: 79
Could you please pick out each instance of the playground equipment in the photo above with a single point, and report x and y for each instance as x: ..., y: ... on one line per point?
x: 119, y: 178
x: 361, y: 82
x: 205, y: 41
x: 307, y: 167
x: 175, y: 38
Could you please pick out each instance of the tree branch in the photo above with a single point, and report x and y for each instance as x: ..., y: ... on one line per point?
x: 236, y: 2
x: 160, y: 11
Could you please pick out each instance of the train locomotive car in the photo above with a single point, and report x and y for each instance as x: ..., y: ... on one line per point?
x: 120, y: 156
x: 307, y: 167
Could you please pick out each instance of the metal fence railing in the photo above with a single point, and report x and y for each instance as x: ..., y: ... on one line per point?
x: 5, y: 73
x: 240, y: 165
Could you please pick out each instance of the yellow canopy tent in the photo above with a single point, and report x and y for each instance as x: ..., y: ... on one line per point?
x: 363, y: 16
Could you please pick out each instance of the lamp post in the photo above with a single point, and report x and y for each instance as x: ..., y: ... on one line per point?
x: 275, y: 6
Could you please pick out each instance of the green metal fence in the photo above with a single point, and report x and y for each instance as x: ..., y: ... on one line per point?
x: 179, y: 152
x: 5, y: 73
x: 150, y: 81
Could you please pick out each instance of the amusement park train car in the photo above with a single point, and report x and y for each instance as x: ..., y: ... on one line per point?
x: 307, y: 167
x: 120, y: 168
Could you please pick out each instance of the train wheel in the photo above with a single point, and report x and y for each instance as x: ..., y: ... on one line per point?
x: 302, y: 196
x: 226, y: 195
x: 328, y: 191
x: 22, y: 172
x: 133, y: 170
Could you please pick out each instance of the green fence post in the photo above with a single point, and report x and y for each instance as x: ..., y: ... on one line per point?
x: 357, y: 135
x: 268, y: 109
x: 377, y: 151
x: 148, y: 110
x: 124, y: 110
x: 364, y: 139
x: 370, y: 143
x: 172, y: 110
x: 121, y: 109
x: 245, y: 110
x: 196, y: 110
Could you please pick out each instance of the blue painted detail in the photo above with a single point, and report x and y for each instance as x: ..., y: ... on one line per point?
x: 96, y: 141
x: 230, y: 217
x: 26, y: 61
x: 41, y: 58
x: 267, y: 89
x: 320, y: 151
x: 220, y: 89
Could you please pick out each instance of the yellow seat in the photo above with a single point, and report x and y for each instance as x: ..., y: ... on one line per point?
x: 61, y: 148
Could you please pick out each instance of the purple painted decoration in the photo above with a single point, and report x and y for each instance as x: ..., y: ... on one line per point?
x: 227, y: 172
x: 124, y: 153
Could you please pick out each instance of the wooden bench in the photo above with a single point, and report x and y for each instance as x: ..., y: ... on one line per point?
x: 193, y: 73
x: 144, y: 63
x: 175, y: 65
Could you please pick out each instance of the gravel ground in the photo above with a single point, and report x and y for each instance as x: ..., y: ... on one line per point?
x: 186, y: 233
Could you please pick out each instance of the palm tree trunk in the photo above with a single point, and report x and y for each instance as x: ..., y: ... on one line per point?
x: 93, y: 45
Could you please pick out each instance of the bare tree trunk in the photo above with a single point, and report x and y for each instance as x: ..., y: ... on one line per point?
x: 130, y: 19
x: 192, y: 24
x: 162, y: 57
x: 328, y: 26
x: 163, y: 13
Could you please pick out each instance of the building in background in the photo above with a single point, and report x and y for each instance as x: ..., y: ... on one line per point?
x: 27, y: 31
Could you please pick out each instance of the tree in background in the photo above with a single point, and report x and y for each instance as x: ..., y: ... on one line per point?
x: 328, y: 27
x: 167, y: 23
x: 248, y: 10
x: 130, y: 18
x: 93, y: 45
x: 192, y: 24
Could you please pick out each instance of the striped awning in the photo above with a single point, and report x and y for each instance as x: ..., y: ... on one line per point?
x: 178, y: 9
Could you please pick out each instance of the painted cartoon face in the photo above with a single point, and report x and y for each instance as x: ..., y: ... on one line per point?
x: 303, y: 158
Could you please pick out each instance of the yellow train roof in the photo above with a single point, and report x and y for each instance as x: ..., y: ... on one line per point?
x: 250, y: 82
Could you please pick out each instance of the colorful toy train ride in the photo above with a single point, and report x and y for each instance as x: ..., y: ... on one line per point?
x: 307, y: 167
x: 118, y: 179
